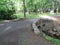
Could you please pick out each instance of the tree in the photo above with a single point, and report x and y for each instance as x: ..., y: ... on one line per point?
x: 57, y: 6
x: 24, y: 8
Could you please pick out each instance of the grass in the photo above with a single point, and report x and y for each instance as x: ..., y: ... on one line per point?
x: 21, y: 15
x: 30, y: 16
x: 52, y: 40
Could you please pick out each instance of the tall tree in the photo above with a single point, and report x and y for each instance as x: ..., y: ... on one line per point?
x: 24, y: 8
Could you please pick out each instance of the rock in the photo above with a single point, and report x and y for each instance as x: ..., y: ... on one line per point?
x: 48, y: 25
x: 54, y: 30
x: 36, y: 30
x: 58, y: 34
x: 39, y: 26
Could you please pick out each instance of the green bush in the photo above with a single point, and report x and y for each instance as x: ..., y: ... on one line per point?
x: 7, y: 11
x: 13, y: 17
x: 6, y: 14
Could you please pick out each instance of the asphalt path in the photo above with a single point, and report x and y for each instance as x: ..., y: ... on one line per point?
x: 19, y: 33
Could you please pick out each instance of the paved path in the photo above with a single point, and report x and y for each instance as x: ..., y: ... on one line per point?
x: 19, y: 33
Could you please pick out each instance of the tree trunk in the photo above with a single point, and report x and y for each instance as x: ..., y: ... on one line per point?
x: 35, y: 9
x: 57, y: 6
x: 57, y: 10
x: 41, y: 10
x: 24, y: 8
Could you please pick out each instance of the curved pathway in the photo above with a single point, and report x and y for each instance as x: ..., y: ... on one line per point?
x: 19, y: 33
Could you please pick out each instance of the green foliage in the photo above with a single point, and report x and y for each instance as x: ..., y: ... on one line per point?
x: 45, y: 5
x: 7, y: 9
x: 52, y: 40
x: 30, y: 5
x: 29, y: 16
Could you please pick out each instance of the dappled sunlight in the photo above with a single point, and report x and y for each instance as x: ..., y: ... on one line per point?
x: 6, y: 21
x: 9, y: 27
x: 2, y: 24
x: 48, y: 17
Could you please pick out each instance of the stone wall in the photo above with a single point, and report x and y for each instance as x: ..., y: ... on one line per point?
x: 47, y: 26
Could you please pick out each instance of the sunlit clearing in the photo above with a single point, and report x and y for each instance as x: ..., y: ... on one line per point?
x: 48, y: 17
